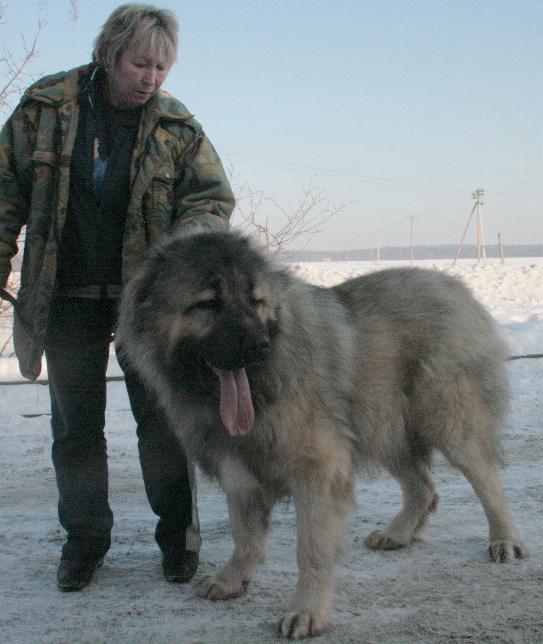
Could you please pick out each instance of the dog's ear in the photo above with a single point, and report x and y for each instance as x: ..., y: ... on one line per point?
x: 143, y: 291
x: 140, y: 293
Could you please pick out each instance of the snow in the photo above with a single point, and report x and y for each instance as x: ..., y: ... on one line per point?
x: 440, y: 589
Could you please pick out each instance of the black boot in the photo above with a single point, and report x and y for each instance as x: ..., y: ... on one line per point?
x: 80, y: 558
x: 179, y: 566
x: 75, y: 574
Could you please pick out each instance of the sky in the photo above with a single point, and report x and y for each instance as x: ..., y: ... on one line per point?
x: 391, y: 113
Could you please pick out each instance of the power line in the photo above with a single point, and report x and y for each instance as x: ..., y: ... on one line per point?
x: 293, y: 165
x: 522, y: 188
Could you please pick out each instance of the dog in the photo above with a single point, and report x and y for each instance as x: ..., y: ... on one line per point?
x: 280, y: 388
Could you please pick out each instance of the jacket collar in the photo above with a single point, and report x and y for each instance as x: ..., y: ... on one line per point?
x: 65, y: 87
x: 60, y: 88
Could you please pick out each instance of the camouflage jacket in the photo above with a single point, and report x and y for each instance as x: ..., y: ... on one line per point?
x: 176, y: 179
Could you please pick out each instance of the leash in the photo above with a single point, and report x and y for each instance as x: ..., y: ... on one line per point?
x: 528, y: 355
x: 8, y: 297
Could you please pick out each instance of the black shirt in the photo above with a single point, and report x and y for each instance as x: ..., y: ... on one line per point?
x: 92, y: 239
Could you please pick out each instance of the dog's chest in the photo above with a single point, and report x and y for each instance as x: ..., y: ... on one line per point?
x: 257, y: 453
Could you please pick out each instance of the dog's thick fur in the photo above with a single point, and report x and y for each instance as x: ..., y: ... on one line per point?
x: 382, y: 368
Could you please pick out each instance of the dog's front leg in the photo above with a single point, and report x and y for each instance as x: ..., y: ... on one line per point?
x: 323, y: 503
x: 249, y: 511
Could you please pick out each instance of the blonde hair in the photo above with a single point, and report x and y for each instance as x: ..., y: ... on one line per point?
x: 139, y: 27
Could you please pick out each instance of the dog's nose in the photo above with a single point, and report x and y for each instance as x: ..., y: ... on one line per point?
x: 256, y: 348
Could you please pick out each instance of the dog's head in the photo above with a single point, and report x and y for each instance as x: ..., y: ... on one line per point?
x: 208, y: 304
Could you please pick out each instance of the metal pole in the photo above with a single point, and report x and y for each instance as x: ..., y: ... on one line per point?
x: 412, y: 217
x: 464, y: 235
x: 481, y: 252
x: 500, y: 244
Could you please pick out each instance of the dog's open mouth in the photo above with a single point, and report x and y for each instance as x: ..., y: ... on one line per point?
x: 236, y: 406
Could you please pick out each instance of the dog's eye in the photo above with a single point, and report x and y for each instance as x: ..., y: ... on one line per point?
x: 206, y: 305
x: 256, y: 301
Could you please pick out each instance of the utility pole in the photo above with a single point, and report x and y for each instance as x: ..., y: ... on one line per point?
x: 481, y: 252
x: 412, y: 217
x: 500, y: 244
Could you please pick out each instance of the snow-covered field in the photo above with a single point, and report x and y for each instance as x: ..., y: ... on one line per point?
x: 440, y: 590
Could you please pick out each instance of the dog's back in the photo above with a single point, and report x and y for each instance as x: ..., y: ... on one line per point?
x: 423, y: 343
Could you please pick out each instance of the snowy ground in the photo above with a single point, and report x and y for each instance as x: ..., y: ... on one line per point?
x: 440, y: 590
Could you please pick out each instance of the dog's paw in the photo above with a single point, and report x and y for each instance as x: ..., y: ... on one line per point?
x: 296, y: 625
x: 380, y: 540
x: 215, y: 588
x: 506, y: 551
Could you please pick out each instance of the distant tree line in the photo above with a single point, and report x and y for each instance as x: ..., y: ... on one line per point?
x: 444, y: 251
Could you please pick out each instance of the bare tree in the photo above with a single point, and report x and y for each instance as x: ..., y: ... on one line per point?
x: 14, y: 66
x: 15, y: 76
x: 6, y: 318
x: 74, y: 10
x: 257, y: 213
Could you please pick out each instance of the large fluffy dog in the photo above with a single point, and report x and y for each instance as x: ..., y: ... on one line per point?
x: 277, y: 388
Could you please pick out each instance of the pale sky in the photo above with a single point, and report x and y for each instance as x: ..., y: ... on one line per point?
x: 393, y: 107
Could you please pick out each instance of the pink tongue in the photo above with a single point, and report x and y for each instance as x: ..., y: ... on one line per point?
x: 236, y: 405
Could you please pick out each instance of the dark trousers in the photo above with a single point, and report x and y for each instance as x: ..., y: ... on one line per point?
x: 77, y: 348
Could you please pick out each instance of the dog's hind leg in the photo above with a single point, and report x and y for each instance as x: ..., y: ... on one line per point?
x: 476, y: 461
x: 419, y: 499
x: 323, y: 502
x: 249, y: 511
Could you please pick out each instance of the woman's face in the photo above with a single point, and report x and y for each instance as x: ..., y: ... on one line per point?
x: 135, y: 78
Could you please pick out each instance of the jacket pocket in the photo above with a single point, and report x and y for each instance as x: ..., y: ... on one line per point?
x: 44, y: 156
x: 158, y: 202
x: 163, y: 184
x: 162, y: 190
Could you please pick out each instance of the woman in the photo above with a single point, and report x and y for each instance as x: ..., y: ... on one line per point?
x: 98, y: 162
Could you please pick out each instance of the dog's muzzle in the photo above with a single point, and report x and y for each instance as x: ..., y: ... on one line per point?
x: 255, y: 349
